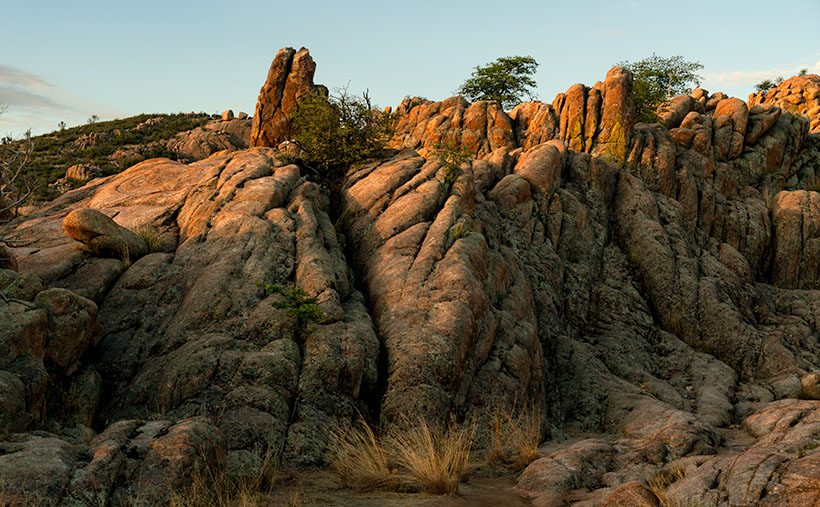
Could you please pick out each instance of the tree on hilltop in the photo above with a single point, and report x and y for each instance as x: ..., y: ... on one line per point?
x: 506, y: 80
x: 657, y: 79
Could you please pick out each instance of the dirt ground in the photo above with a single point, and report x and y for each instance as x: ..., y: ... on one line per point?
x: 325, y: 488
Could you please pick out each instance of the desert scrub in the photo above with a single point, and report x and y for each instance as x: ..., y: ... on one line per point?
x: 335, y: 131
x: 417, y: 455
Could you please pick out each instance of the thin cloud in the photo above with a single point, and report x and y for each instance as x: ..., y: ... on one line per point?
x: 749, y: 78
x: 32, y: 102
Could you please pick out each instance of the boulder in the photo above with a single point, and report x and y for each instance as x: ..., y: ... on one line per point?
x: 82, y: 172
x: 102, y: 236
x: 72, y: 327
x: 227, y: 115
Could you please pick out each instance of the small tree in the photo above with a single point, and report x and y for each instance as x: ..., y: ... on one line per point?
x: 767, y: 84
x: 15, y: 185
x: 338, y: 130
x: 506, y: 80
x: 657, y: 79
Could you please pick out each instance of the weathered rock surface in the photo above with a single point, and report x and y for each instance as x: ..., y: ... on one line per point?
x: 290, y: 77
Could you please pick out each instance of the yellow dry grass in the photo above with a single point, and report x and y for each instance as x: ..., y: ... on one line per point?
x: 436, y: 458
x: 215, y: 488
x: 418, y: 455
x: 514, y: 437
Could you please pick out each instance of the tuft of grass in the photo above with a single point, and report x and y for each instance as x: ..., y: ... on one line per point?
x: 210, y: 487
x: 150, y: 234
x: 416, y: 456
x: 660, y: 481
x: 125, y: 257
x: 514, y: 438
x: 361, y: 459
x: 437, y: 458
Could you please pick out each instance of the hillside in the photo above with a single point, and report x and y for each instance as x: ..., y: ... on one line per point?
x: 112, y: 146
x: 647, y: 294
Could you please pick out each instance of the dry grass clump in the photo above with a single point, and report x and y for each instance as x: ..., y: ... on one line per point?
x: 514, y: 437
x: 417, y: 456
x: 661, y: 479
x: 436, y: 458
x: 215, y: 488
x: 361, y: 459
x: 150, y: 234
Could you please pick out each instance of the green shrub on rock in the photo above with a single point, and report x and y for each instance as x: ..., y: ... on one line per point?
x: 338, y: 130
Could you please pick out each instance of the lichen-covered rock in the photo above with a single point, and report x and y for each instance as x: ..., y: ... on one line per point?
x: 477, y: 129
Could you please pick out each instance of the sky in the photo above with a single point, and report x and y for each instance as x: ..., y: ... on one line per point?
x: 66, y: 61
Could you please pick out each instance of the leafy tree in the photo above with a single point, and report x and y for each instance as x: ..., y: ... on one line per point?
x: 657, y: 79
x: 506, y: 80
x: 338, y: 130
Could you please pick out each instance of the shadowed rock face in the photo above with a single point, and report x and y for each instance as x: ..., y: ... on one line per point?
x: 656, y: 283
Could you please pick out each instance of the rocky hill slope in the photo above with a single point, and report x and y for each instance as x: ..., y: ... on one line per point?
x: 652, y: 292
x: 67, y: 158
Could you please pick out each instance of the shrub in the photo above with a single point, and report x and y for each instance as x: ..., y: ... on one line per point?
x: 338, y: 130
x: 451, y: 158
x: 297, y: 302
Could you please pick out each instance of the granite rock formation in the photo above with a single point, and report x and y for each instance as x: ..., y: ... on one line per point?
x: 290, y: 77
x: 654, y: 285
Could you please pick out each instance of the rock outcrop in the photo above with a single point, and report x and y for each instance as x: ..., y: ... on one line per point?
x: 797, y: 95
x: 598, y: 119
x: 214, y: 136
x: 290, y: 77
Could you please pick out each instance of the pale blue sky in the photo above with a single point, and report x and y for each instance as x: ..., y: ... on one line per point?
x: 69, y: 60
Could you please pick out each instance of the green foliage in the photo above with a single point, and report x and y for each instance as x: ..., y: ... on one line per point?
x: 297, y: 302
x: 506, y: 80
x: 451, y: 158
x: 338, y: 130
x: 658, y: 79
